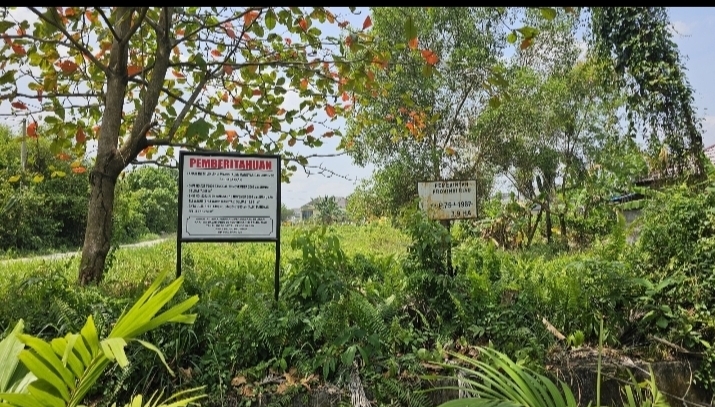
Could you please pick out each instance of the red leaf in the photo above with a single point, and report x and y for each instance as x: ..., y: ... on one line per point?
x: 68, y: 67
x: 346, y: 97
x: 309, y: 129
x: 303, y: 24
x: 21, y: 31
x: 230, y: 33
x: 249, y: 18
x: 231, y: 135
x: 525, y: 44
x: 330, y: 111
x: 329, y: 134
x: 291, y: 142
x: 133, y: 70
x: 177, y: 73
x: 288, y: 41
x: 413, y: 43
x: 216, y: 53
x: 79, y: 170
x: 32, y: 130
x: 228, y: 69
x: 257, y: 92
x: 6, y: 38
x: 18, y: 49
x: 304, y: 83
x: 95, y: 129
x: 367, y: 23
x: 90, y: 16
x: 39, y: 95
x: 330, y: 17
x: 430, y: 57
x: 344, y: 24
x: 349, y: 40
x: 63, y: 156
x: 180, y: 31
x: 80, y: 137
x: 281, y: 112
x: 19, y: 105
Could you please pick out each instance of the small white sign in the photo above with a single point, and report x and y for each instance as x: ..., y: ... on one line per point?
x: 229, y: 197
x: 445, y: 200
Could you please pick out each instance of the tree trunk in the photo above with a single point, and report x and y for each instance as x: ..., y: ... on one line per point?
x: 98, y: 235
x: 547, y: 212
x: 562, y: 222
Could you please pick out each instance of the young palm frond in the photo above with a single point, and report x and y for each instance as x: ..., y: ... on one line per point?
x: 63, y: 371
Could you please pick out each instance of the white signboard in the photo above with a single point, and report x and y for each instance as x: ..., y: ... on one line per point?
x: 228, y: 197
x: 444, y: 200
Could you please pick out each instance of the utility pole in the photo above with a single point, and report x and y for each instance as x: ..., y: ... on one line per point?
x: 23, y: 148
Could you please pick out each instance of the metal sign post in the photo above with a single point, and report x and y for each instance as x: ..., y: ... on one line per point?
x: 229, y: 197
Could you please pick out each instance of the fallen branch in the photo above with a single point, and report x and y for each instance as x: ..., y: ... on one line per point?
x: 553, y: 329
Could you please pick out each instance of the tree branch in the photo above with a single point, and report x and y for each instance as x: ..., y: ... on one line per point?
x: 57, y: 95
x: 187, y: 106
x: 169, y: 143
x: 109, y: 24
x: 142, y: 123
x: 135, y: 27
x: 154, y: 162
x: 76, y: 43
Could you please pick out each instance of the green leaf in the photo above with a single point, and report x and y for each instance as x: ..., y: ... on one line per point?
x: 662, y: 322
x: 8, y: 77
x: 511, y: 38
x: 158, y: 352
x: 410, y: 28
x: 113, y: 349
x: 38, y: 178
x: 494, y: 102
x: 270, y: 20
x: 14, y: 178
x: 199, y: 128
x: 6, y: 25
x: 528, y: 32
x: 10, y: 349
x: 548, y: 13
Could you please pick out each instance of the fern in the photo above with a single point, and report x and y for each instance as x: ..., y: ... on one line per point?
x: 402, y: 395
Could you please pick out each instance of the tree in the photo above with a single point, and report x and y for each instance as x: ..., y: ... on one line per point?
x: 328, y: 210
x: 636, y: 44
x: 141, y: 81
x: 43, y: 206
x: 413, y: 127
x: 286, y: 213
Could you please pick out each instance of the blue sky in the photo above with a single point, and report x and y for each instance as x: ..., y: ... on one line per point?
x: 693, y: 39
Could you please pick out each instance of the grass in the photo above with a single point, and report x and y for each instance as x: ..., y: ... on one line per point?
x: 131, y: 265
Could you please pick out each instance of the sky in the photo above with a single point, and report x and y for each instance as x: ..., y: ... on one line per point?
x: 691, y: 27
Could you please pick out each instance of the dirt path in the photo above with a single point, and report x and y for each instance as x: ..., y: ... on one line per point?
x: 58, y: 256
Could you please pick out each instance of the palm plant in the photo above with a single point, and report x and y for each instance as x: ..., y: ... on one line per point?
x: 497, y: 381
x: 58, y: 373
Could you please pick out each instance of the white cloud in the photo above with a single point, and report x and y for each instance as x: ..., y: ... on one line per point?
x: 680, y: 27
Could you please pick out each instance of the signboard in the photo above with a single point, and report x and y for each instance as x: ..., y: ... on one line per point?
x: 445, y: 200
x: 228, y: 197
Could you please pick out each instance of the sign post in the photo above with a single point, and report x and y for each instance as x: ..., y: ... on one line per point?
x: 229, y: 197
x: 448, y: 200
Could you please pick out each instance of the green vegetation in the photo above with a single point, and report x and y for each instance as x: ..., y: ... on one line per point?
x: 353, y: 293
x: 383, y: 303
x: 44, y: 209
